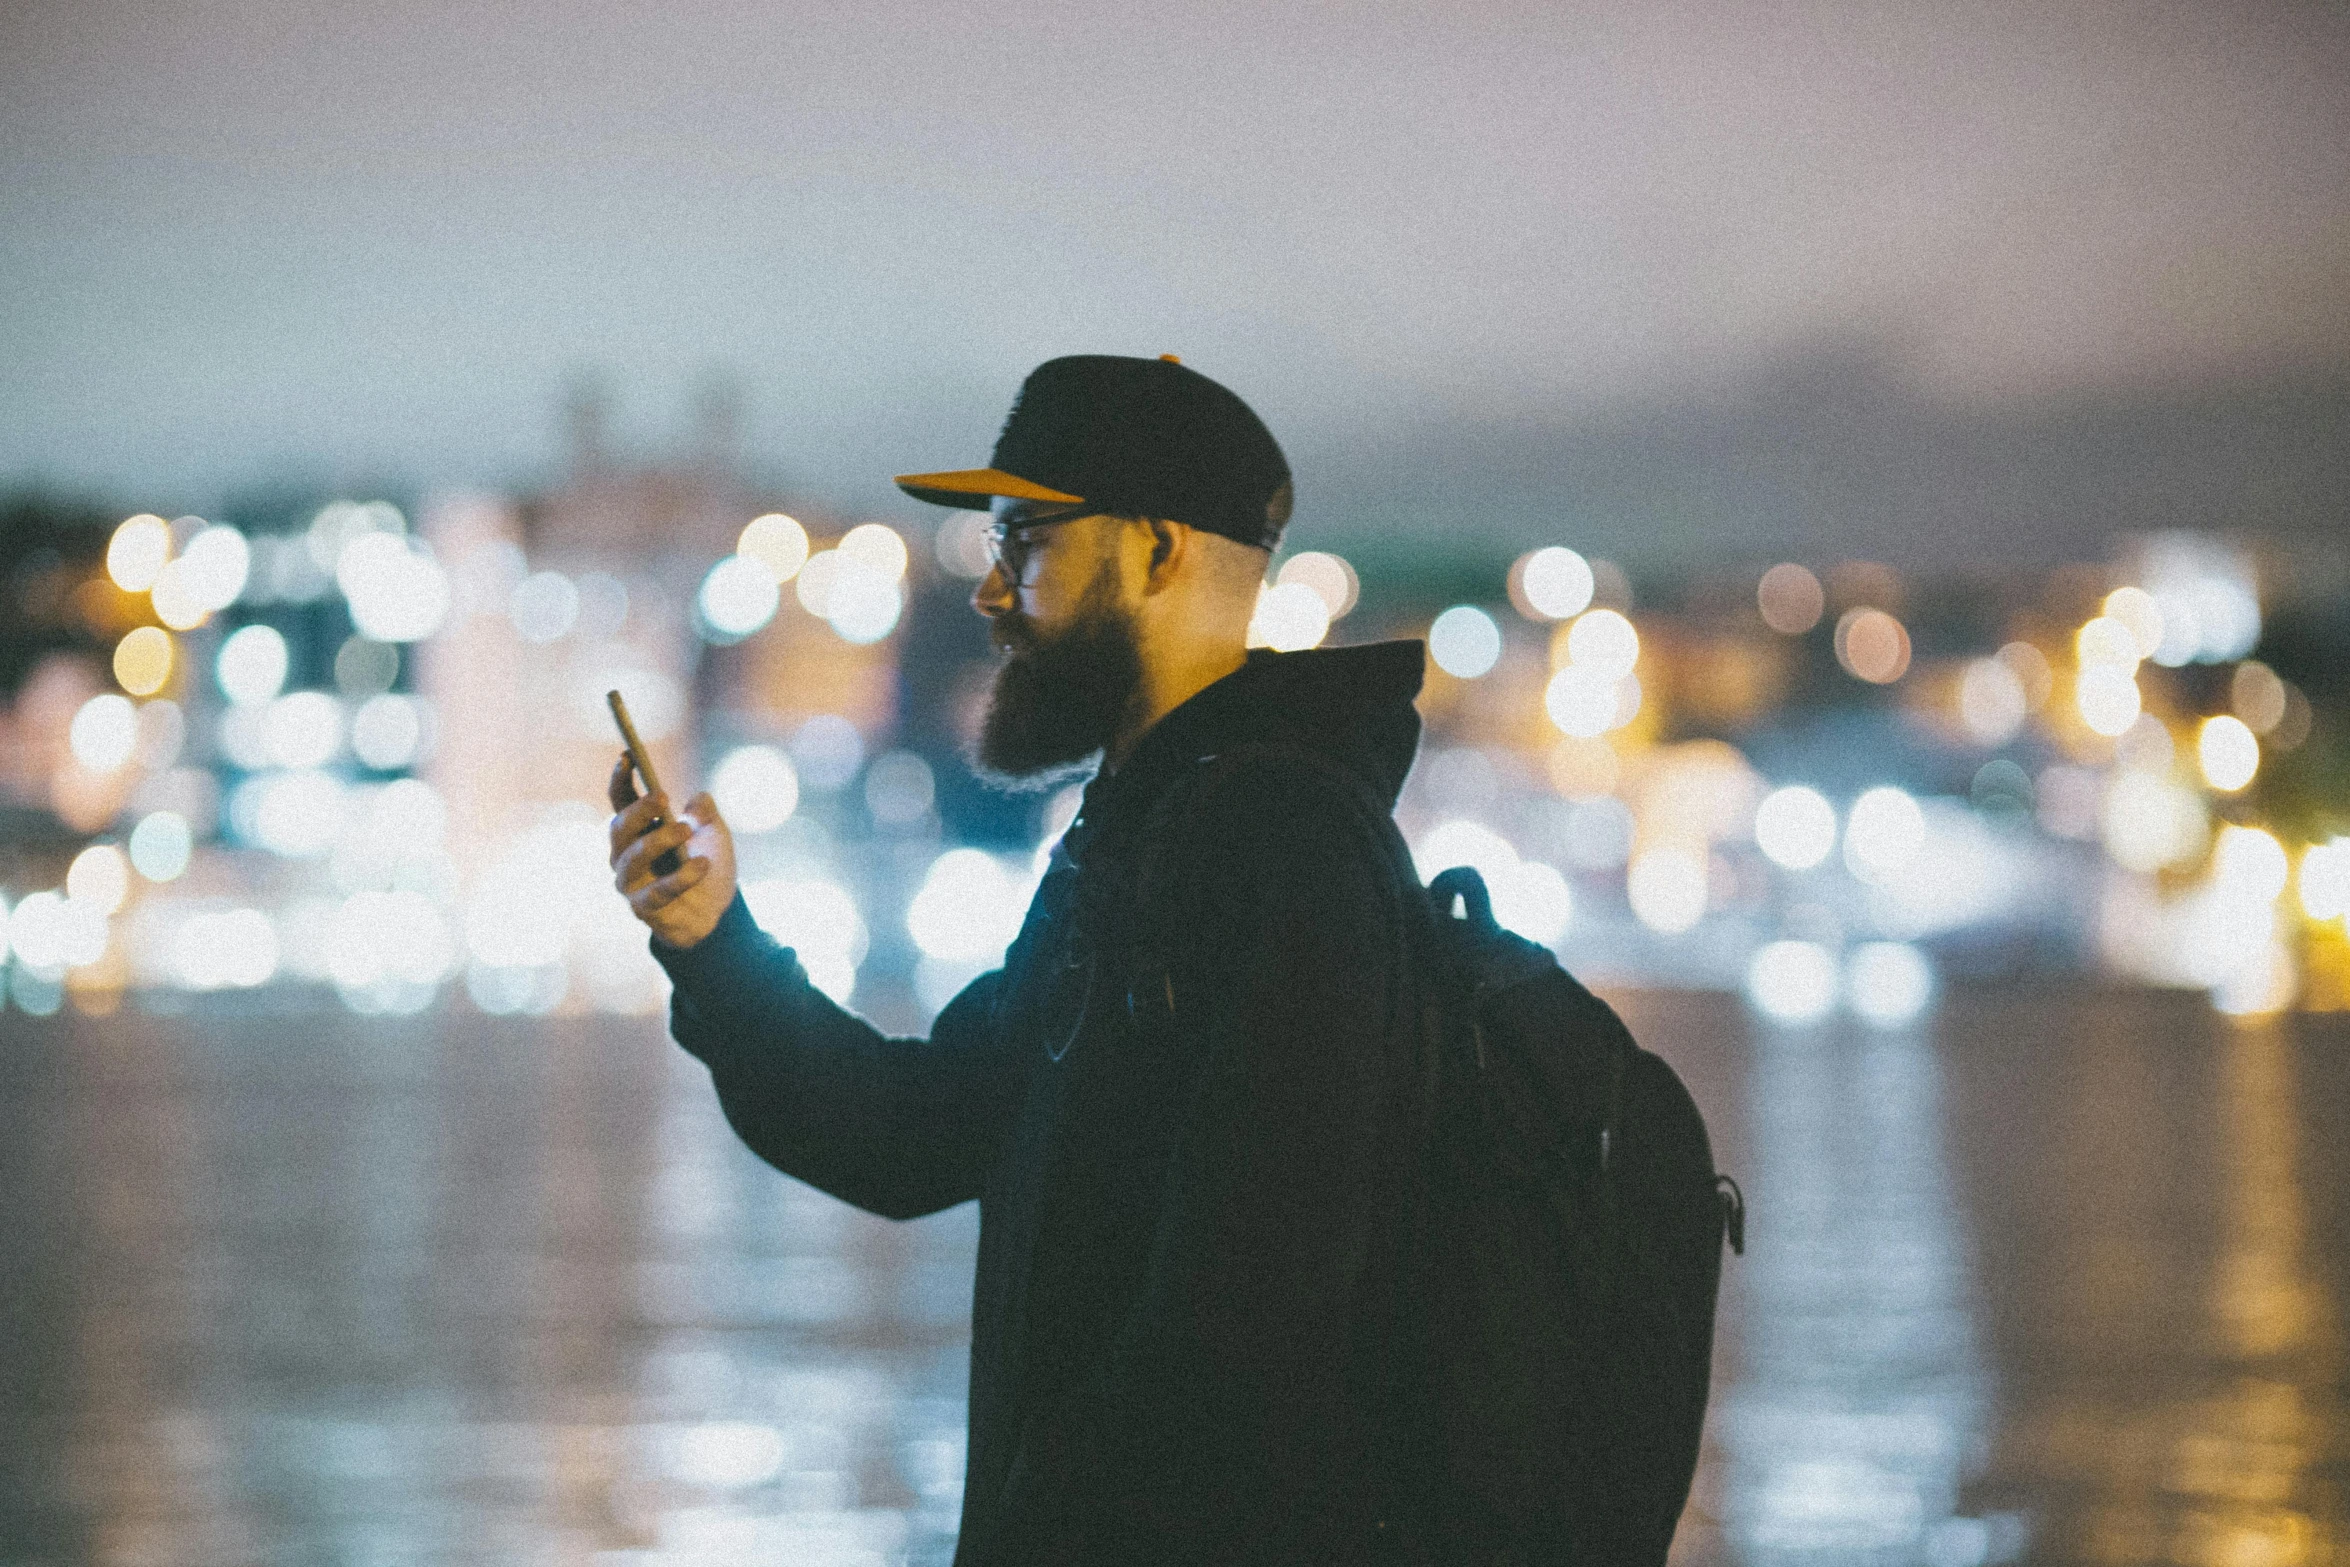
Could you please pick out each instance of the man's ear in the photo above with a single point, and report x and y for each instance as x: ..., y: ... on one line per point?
x: 1170, y: 547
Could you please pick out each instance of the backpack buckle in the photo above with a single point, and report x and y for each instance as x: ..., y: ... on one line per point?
x: 1733, y: 1203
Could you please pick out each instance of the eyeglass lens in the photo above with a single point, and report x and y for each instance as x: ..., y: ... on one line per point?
x: 1010, y: 543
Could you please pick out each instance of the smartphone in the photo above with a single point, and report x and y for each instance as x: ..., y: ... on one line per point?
x: 642, y: 760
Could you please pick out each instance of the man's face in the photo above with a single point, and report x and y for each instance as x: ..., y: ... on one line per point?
x: 1072, y: 667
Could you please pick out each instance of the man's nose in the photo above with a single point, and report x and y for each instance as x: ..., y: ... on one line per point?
x: 994, y: 594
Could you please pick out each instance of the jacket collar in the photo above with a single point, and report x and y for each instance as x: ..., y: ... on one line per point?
x: 1351, y: 705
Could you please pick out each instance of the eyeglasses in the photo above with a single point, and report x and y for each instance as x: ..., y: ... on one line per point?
x: 1010, y: 542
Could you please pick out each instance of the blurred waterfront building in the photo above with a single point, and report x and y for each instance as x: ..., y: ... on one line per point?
x: 318, y: 743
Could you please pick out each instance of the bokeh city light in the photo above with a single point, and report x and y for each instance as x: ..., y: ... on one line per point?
x: 2076, y: 738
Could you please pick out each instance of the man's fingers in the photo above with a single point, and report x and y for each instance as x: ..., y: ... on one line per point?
x: 634, y: 867
x: 655, y: 896
x: 643, y: 829
x: 632, y: 823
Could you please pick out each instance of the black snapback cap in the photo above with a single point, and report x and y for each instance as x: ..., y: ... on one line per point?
x: 1136, y: 437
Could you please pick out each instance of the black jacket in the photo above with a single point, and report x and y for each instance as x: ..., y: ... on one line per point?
x: 1176, y: 1105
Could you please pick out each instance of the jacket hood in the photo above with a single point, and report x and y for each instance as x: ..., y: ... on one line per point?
x: 1351, y: 705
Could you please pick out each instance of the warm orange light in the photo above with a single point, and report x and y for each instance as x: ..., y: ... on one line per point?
x: 142, y: 660
x: 1872, y: 646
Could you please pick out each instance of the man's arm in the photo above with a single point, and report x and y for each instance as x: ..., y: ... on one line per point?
x: 1219, y: 1422
x: 898, y: 1126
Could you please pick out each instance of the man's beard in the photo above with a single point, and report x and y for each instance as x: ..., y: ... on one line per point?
x: 1059, y: 700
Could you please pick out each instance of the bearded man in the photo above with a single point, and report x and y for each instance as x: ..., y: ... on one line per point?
x: 1181, y: 1100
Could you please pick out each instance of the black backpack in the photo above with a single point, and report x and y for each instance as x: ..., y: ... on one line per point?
x: 1555, y: 1302
x: 1568, y: 1252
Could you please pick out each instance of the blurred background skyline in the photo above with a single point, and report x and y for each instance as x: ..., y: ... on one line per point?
x: 1684, y: 280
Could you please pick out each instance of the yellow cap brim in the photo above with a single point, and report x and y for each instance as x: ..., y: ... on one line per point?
x: 973, y: 488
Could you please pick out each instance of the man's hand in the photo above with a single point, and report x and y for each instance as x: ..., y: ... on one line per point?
x: 683, y: 906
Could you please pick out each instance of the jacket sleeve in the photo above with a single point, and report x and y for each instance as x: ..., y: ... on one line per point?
x: 1224, y: 1425
x: 900, y: 1127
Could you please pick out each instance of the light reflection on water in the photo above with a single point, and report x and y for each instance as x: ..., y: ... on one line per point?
x: 2201, y: 1418
x: 2053, y: 1277
x: 1861, y: 1395
x: 323, y: 1289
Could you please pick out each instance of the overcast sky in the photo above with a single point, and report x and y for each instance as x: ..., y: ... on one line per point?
x: 264, y: 237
